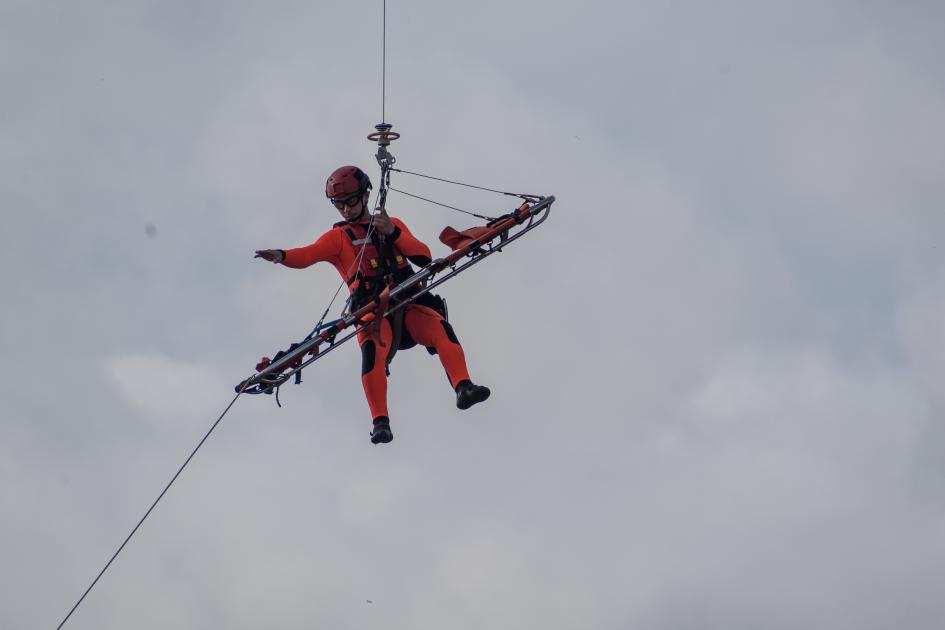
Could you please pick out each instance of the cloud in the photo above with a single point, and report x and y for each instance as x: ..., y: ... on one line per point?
x: 164, y: 389
x: 716, y: 369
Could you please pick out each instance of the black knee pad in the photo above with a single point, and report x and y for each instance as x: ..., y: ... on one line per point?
x: 450, y: 333
x: 368, y: 356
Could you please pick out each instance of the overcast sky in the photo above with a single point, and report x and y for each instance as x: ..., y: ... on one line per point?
x: 717, y: 370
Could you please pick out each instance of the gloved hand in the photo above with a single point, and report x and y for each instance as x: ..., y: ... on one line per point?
x: 382, y: 222
x: 272, y: 255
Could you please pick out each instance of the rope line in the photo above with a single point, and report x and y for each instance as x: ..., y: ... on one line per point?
x: 150, y: 509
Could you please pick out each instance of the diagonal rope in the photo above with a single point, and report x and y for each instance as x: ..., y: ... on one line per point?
x: 479, y: 216
x: 151, y: 509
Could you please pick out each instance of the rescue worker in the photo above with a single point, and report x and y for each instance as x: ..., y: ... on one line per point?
x: 366, y: 255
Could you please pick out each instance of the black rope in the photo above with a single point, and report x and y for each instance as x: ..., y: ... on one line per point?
x: 479, y: 216
x: 449, y: 181
x: 150, y: 509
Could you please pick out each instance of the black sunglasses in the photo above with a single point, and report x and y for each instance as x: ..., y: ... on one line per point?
x: 350, y: 201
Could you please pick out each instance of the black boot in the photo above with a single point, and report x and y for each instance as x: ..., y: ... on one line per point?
x: 468, y: 394
x: 381, y: 433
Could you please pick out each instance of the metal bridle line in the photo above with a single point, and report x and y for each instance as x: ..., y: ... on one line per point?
x: 478, y: 216
x: 449, y: 181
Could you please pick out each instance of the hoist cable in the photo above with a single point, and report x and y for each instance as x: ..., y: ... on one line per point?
x: 357, y: 263
x: 384, y: 66
x: 153, y: 505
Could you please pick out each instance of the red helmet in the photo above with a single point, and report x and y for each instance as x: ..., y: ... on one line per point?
x: 345, y: 181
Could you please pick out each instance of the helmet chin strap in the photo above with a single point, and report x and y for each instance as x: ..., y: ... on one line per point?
x: 363, y: 215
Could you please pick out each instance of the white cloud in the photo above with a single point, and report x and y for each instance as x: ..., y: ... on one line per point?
x: 167, y: 390
x: 716, y: 369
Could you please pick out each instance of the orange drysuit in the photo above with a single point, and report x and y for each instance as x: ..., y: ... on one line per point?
x: 341, y: 247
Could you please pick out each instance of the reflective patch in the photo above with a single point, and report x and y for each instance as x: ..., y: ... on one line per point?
x: 400, y: 259
x: 374, y: 263
x: 360, y: 241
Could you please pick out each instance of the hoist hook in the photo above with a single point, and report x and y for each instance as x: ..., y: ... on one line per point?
x: 383, y: 136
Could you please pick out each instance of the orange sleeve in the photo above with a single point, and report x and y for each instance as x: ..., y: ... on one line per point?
x: 409, y: 244
x: 326, y: 249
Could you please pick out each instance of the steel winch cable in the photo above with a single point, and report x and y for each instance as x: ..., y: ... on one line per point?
x: 450, y: 181
x: 384, y: 64
x: 478, y: 216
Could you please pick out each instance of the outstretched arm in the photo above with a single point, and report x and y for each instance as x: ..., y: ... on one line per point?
x: 326, y: 248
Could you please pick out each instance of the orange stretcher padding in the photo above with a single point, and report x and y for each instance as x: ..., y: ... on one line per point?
x: 455, y: 239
